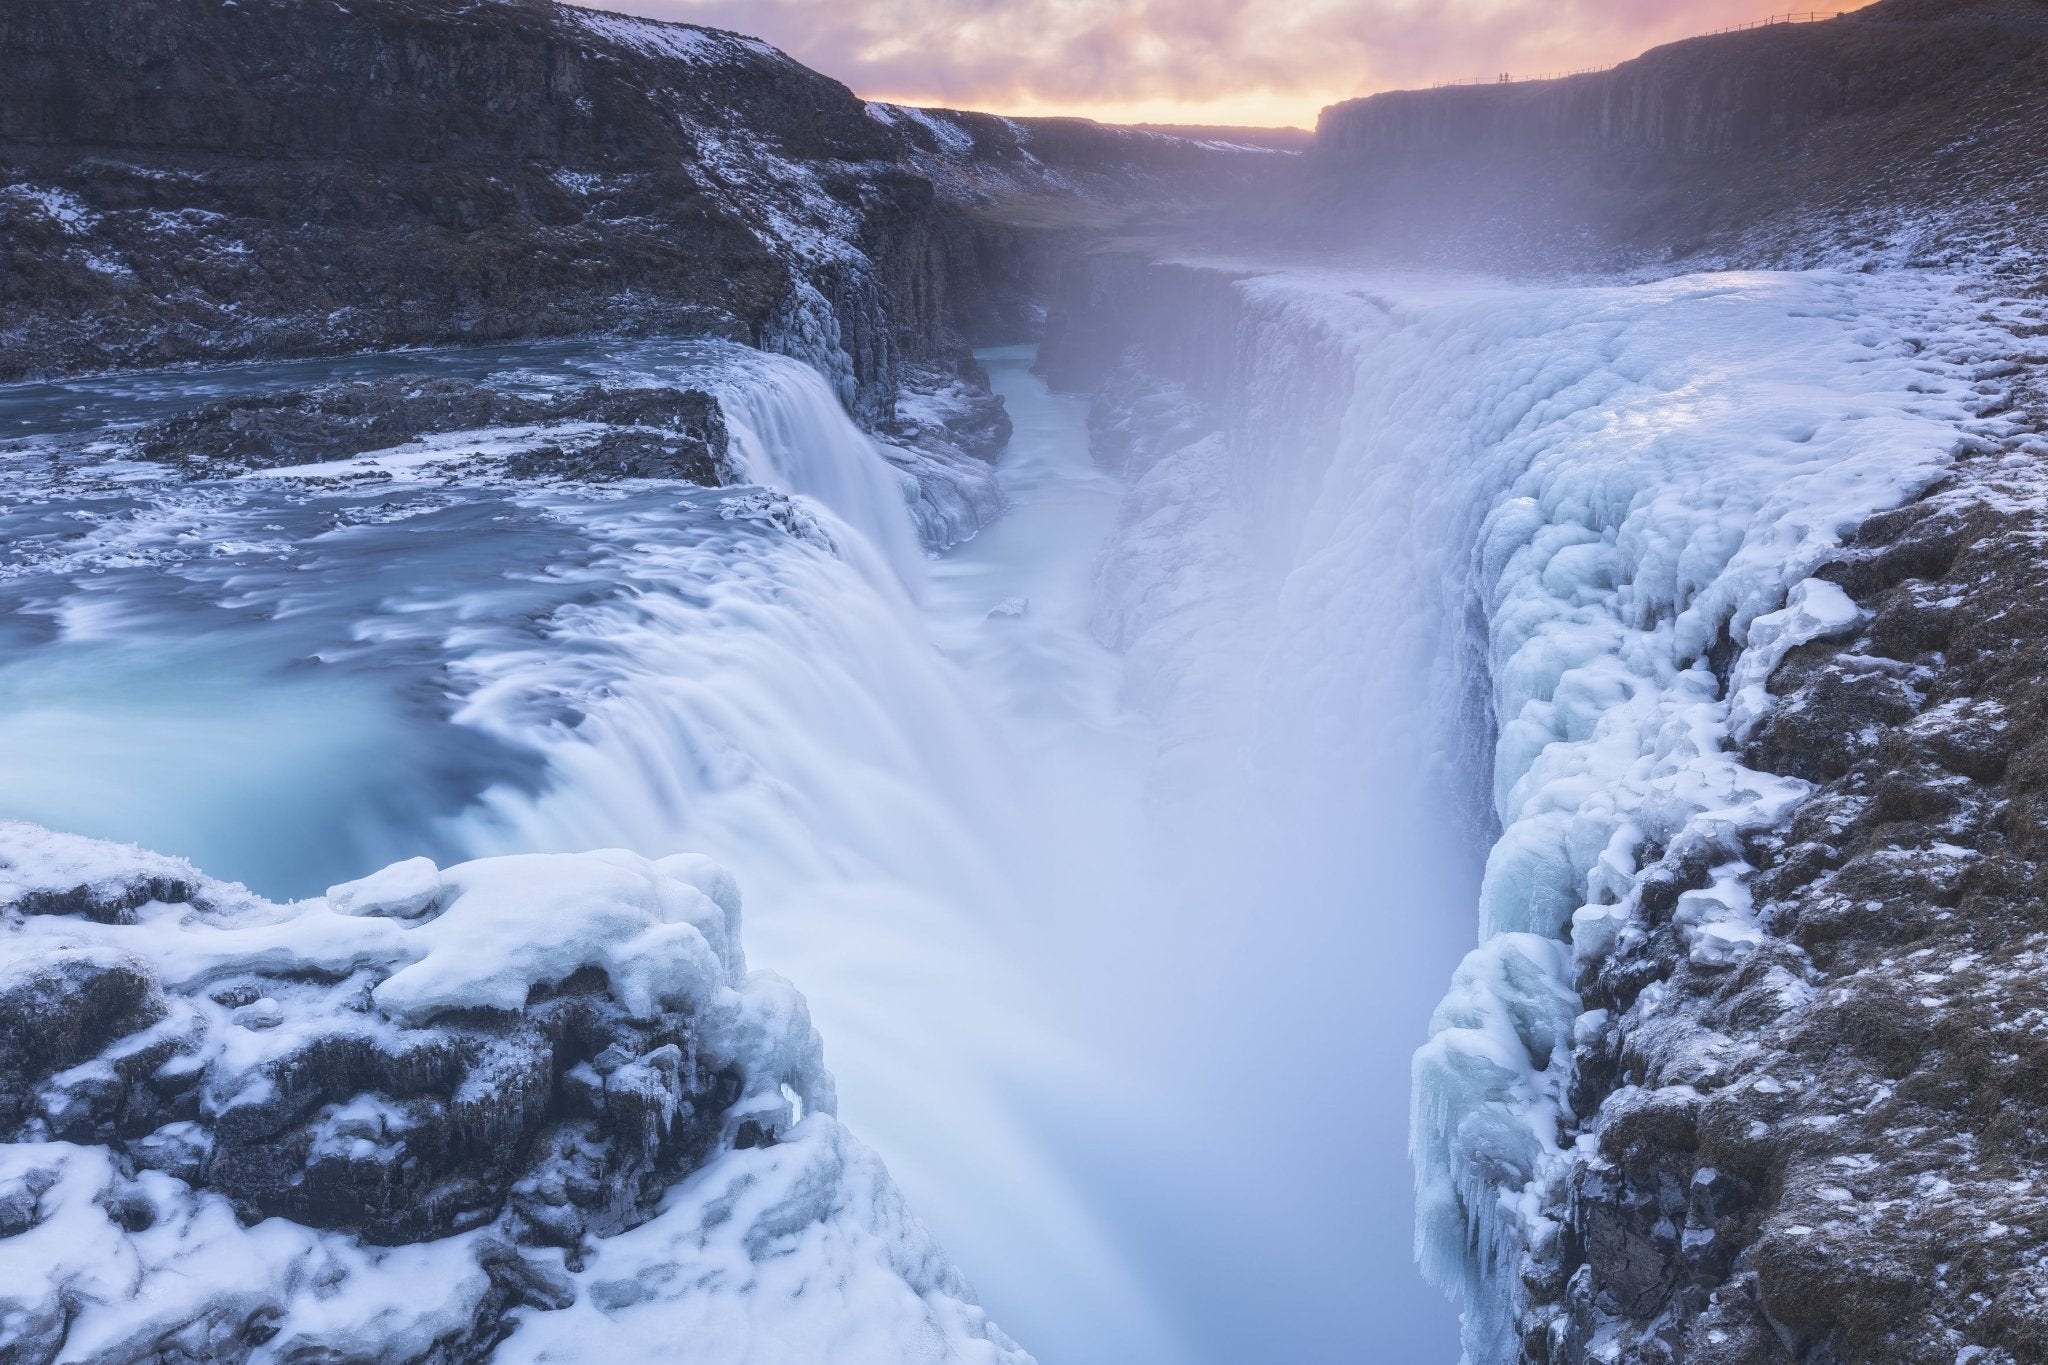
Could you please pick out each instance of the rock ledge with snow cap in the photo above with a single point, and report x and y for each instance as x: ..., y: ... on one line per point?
x: 410, y: 1119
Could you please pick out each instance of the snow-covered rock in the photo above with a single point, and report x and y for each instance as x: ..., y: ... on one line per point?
x: 533, y: 1104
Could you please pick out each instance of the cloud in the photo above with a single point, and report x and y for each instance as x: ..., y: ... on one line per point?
x: 1204, y: 60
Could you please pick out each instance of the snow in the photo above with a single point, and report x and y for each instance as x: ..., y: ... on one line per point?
x: 519, y: 922
x: 953, y: 140
x: 1815, y: 609
x: 435, y: 458
x: 804, y: 1246
x: 505, y: 927
x: 682, y: 42
x: 41, y: 862
x: 803, y: 1251
x: 62, y: 206
x: 404, y: 890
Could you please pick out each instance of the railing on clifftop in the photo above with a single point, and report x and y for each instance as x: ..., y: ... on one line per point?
x: 1810, y: 17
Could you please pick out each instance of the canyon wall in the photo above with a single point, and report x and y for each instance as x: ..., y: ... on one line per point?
x: 1905, y: 132
x: 185, y: 180
x: 1743, y: 1069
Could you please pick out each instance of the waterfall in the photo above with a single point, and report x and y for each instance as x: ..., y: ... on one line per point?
x: 1124, y: 853
x: 1422, y: 579
x: 790, y: 432
x: 764, y: 685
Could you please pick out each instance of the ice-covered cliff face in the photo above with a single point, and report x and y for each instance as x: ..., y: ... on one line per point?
x: 1372, y: 515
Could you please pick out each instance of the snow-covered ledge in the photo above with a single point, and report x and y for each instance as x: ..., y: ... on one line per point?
x: 532, y: 1102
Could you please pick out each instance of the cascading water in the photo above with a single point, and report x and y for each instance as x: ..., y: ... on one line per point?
x: 649, y: 668
x: 1119, y: 954
x: 780, y: 699
x: 1608, y: 482
x: 1400, y: 514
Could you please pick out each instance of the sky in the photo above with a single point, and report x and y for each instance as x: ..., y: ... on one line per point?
x: 1258, y: 62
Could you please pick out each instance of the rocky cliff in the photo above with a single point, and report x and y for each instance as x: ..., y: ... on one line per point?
x: 194, y: 180
x: 1907, y: 131
x: 424, y: 1114
x: 1832, y: 1151
x: 184, y: 180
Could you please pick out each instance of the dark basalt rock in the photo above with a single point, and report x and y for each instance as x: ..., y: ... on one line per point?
x: 61, y: 1014
x: 1833, y: 1152
x: 569, y: 1119
x: 652, y: 433
x: 197, y: 180
x: 107, y: 904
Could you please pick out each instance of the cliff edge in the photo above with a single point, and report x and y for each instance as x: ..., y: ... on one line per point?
x: 1906, y: 132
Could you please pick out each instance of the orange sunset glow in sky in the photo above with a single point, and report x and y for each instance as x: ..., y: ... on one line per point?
x: 1269, y: 62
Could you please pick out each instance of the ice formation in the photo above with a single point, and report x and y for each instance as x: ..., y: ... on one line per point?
x: 536, y: 1099
x: 1579, y: 521
x: 1662, y: 472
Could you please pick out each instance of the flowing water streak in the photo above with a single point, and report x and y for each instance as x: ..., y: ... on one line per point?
x: 778, y: 698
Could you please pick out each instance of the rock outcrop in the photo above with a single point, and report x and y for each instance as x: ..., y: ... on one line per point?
x: 1909, y: 131
x: 1832, y: 1151
x: 593, y: 433
x: 231, y: 1129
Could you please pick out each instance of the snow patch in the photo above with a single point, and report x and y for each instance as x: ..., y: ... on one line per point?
x: 680, y: 42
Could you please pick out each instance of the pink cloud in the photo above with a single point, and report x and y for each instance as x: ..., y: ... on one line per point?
x: 1264, y: 60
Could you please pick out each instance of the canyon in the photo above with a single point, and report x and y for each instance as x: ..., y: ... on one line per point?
x: 1123, y: 609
